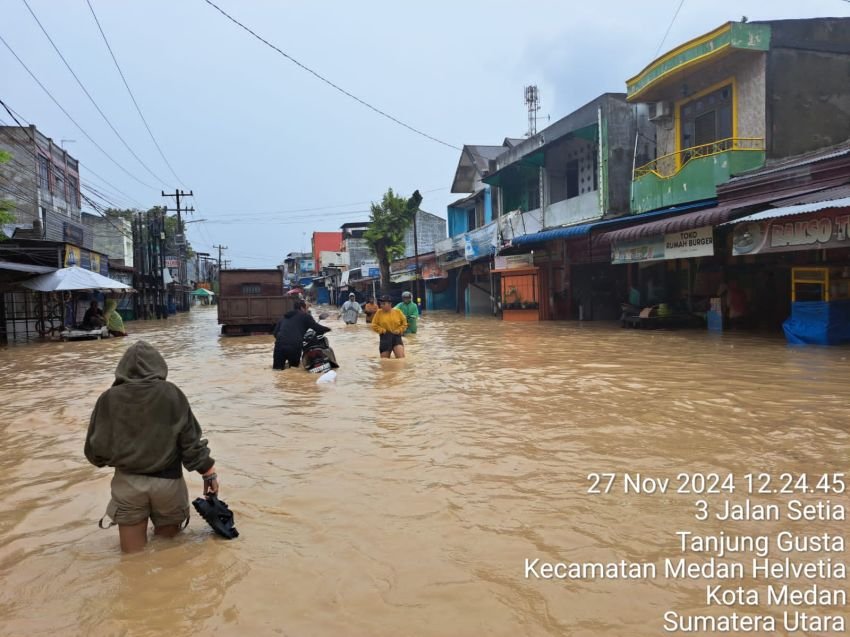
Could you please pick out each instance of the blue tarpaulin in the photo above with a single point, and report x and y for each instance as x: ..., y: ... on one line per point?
x: 818, y: 323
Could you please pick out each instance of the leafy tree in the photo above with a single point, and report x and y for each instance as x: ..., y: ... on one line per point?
x: 389, y: 221
x: 6, y: 215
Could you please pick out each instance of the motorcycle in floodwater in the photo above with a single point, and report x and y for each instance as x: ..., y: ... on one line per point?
x: 317, y: 357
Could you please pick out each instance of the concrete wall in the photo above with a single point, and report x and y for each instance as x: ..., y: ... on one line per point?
x: 808, y: 85
x: 620, y: 123
x: 569, y: 211
x: 112, y: 237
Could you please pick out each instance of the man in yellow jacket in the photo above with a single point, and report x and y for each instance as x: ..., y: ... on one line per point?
x: 390, y: 323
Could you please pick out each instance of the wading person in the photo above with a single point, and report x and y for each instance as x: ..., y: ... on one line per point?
x: 390, y: 323
x: 143, y: 426
x: 351, y: 310
x: 410, y: 311
x: 370, y: 308
x: 289, y: 335
x: 114, y: 322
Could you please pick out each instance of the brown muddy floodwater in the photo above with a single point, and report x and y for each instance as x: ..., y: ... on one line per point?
x: 405, y: 498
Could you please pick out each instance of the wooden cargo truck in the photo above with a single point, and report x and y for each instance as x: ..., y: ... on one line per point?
x: 251, y: 301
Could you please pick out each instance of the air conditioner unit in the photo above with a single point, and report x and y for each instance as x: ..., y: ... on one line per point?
x: 660, y: 110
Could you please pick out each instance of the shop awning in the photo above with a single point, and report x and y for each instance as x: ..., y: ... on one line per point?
x: 75, y: 278
x: 708, y: 217
x: 790, y: 211
x: 581, y: 230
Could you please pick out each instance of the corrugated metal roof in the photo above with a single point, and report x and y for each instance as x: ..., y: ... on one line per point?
x: 839, y: 192
x: 805, y: 159
x: 788, y: 211
x: 25, y: 267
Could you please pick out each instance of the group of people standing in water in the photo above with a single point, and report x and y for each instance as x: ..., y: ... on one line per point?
x: 391, y: 323
x: 388, y: 321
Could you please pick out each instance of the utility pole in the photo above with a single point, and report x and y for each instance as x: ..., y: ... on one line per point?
x: 220, y: 248
x: 218, y: 274
x: 416, y: 256
x: 180, y: 240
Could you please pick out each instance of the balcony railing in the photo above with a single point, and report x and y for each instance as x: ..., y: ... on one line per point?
x: 669, y: 165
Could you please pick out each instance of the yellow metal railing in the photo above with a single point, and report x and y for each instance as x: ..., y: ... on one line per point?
x: 669, y: 165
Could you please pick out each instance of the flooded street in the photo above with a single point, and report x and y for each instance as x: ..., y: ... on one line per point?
x: 405, y: 498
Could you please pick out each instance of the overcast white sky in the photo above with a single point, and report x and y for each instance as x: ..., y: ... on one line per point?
x: 260, y: 140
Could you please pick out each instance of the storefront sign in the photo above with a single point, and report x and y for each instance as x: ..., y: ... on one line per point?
x: 698, y: 242
x: 451, y: 252
x: 511, y: 261
x: 82, y: 258
x: 172, y: 262
x: 650, y: 249
x: 817, y: 231
x: 480, y: 242
x: 369, y: 270
x: 433, y: 271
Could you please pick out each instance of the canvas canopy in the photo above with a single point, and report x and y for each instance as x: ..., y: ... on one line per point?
x: 202, y: 292
x: 75, y: 278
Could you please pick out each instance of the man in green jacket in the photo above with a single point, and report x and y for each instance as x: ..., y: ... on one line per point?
x: 410, y: 311
x: 143, y: 426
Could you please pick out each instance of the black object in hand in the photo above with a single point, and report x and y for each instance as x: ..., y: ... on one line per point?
x: 217, y: 514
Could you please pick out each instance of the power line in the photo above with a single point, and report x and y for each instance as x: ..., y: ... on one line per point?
x: 15, y: 115
x: 327, y: 81
x: 318, y: 208
x: 91, y: 99
x: 55, y: 101
x: 670, y: 26
x: 132, y: 97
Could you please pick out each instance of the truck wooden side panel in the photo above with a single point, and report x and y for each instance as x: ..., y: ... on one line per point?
x: 251, y: 300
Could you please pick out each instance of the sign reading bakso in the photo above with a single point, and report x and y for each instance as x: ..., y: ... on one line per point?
x: 810, y: 232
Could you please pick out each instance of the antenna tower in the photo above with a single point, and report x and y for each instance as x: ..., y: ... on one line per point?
x: 532, y: 101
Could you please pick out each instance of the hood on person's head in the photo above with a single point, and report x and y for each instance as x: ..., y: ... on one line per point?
x: 110, y: 305
x: 352, y: 296
x: 406, y: 296
x: 141, y: 362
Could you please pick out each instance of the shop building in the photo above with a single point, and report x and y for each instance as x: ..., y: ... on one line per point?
x: 751, y: 99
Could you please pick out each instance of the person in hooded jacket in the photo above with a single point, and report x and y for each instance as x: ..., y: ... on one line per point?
x: 289, y: 335
x: 144, y: 427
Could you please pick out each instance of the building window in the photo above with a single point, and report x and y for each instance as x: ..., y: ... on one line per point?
x: 72, y: 191
x: 251, y: 289
x: 707, y: 119
x: 58, y: 181
x: 470, y: 219
x: 43, y: 173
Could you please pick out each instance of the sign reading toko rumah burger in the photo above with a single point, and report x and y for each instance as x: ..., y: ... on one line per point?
x: 698, y: 242
x: 830, y: 229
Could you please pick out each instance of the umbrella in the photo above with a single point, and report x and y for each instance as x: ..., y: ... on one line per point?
x: 75, y: 278
x: 294, y: 291
x: 202, y: 292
